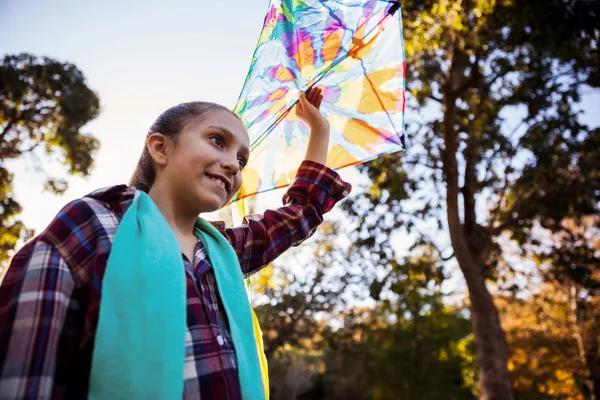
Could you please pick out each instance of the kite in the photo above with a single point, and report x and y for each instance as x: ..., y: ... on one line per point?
x: 353, y: 50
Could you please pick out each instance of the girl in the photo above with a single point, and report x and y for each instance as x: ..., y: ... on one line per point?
x: 128, y: 294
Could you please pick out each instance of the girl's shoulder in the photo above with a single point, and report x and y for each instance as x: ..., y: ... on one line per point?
x: 101, y: 207
x: 96, y: 206
x: 81, y: 235
x: 114, y: 198
x: 85, y: 227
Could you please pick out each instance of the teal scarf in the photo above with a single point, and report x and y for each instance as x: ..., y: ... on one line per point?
x: 139, y: 348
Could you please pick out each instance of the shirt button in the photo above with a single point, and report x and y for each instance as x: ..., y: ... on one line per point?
x: 220, y: 340
x: 345, y: 193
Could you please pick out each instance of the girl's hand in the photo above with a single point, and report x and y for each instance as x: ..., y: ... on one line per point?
x: 308, y: 111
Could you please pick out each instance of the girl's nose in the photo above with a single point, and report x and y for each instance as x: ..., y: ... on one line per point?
x: 231, y: 164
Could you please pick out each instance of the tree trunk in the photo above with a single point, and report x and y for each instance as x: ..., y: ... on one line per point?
x: 492, y: 350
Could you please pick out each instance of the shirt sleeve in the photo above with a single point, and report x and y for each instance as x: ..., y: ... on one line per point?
x: 263, y: 237
x: 36, y: 300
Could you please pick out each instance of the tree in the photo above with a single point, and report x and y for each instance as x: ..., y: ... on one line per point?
x: 567, y: 252
x: 292, y: 302
x: 44, y: 104
x: 409, y: 346
x: 499, y: 82
x: 544, y: 358
x: 294, y: 308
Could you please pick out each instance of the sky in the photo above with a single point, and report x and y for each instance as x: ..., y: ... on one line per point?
x: 140, y: 57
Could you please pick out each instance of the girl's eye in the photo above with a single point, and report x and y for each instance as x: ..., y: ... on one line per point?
x: 218, y: 140
x: 242, y: 162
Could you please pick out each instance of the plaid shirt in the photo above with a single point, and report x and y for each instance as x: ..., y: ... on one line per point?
x: 50, y: 297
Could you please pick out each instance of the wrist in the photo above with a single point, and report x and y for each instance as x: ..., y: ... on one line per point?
x: 320, y: 128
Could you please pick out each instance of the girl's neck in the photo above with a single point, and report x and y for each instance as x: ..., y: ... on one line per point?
x: 179, y: 219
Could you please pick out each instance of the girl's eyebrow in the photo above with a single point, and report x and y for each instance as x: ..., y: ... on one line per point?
x: 244, y: 149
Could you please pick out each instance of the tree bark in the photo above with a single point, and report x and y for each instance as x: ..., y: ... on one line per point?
x: 492, y: 350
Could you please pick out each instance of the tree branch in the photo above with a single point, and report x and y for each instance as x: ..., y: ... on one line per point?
x: 473, y: 78
x: 470, y: 185
x: 25, y: 115
x: 6, y: 129
x: 463, y: 254
x: 436, y: 99
x: 495, y: 211
x: 30, y: 148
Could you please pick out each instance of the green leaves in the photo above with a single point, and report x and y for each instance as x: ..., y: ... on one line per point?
x: 496, y: 149
x: 44, y: 104
x: 10, y: 229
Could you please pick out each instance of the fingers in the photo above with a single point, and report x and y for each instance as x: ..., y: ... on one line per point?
x: 308, y: 110
x: 314, y: 96
x: 318, y: 97
x: 302, y: 101
x: 319, y: 100
x: 308, y: 94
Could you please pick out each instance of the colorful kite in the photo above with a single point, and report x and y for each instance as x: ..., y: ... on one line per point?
x: 354, y: 51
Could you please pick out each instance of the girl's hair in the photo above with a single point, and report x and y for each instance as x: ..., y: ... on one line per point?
x: 170, y: 123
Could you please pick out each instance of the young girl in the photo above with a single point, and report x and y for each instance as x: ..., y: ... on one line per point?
x: 118, y: 297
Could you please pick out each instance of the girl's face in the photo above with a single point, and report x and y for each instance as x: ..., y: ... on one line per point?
x: 204, y: 169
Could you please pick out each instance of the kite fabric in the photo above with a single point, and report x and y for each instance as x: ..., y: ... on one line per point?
x: 353, y: 50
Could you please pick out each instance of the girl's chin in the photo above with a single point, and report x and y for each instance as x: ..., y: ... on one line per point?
x: 214, y: 203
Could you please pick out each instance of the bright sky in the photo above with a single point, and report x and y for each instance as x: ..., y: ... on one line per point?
x: 141, y: 57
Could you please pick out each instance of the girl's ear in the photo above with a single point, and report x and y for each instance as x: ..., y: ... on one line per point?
x: 157, y: 145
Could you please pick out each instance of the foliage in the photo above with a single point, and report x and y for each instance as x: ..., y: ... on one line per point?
x: 409, y: 345
x: 542, y: 331
x: 498, y: 146
x: 294, y: 303
x: 425, y: 358
x: 44, y: 104
x: 414, y: 335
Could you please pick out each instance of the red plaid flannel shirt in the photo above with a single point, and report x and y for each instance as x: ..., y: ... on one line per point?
x: 50, y: 297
